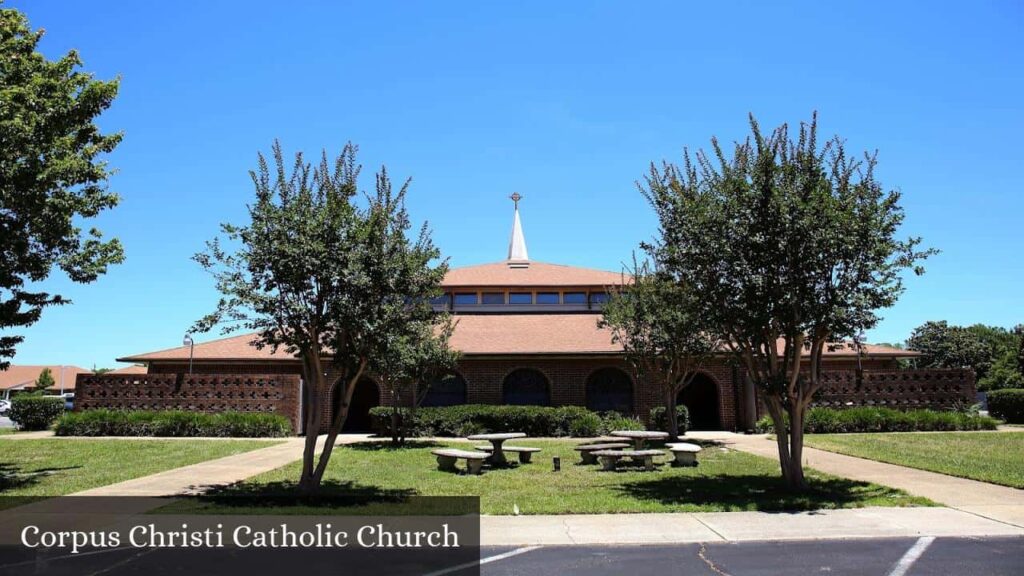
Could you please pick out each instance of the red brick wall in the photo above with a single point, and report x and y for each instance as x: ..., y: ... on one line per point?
x: 202, y: 392
x: 901, y: 389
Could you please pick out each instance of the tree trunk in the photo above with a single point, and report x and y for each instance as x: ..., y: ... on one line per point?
x: 670, y: 414
x: 795, y: 480
x: 396, y: 424
x: 313, y: 377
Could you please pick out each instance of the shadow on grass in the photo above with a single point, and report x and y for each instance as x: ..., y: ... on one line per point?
x: 756, y: 492
x: 386, y: 445
x: 11, y: 476
x: 332, y: 493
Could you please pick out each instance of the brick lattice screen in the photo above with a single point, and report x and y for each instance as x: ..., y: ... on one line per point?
x: 271, y: 393
x: 900, y: 389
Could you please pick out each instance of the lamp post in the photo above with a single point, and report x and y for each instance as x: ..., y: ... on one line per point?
x: 187, y: 341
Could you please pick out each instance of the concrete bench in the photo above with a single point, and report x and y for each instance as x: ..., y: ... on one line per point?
x: 525, y: 453
x: 610, y: 458
x: 587, y: 450
x: 447, y: 458
x: 685, y: 453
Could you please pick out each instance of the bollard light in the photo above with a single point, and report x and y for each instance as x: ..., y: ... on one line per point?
x: 556, y: 463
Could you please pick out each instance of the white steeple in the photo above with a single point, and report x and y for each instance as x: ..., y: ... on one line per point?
x: 517, y: 243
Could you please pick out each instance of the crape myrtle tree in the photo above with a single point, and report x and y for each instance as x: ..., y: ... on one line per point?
x: 320, y: 273
x: 411, y: 362
x: 658, y: 321
x: 791, y: 246
x: 52, y: 176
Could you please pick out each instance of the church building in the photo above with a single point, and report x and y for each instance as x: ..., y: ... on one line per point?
x: 528, y: 333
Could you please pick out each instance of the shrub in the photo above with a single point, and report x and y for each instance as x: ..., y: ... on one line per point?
x: 35, y: 411
x: 467, y: 419
x: 660, y: 422
x: 172, y: 423
x: 614, y: 421
x: 869, y: 419
x: 1007, y: 404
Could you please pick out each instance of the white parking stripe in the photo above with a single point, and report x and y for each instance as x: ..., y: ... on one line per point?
x: 912, y: 555
x: 483, y: 561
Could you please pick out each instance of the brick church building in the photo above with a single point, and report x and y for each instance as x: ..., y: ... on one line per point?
x: 528, y: 334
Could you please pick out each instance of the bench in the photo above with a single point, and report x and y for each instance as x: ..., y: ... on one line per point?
x: 685, y: 453
x: 524, y: 452
x: 610, y: 458
x: 587, y: 450
x: 447, y: 458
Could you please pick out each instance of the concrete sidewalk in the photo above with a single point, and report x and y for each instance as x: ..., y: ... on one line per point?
x: 617, y: 529
x: 215, y: 472
x: 1000, y: 503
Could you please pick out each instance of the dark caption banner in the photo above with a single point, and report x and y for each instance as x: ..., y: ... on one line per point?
x: 118, y: 536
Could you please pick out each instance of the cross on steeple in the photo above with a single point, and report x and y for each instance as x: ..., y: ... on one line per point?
x: 516, y: 197
x: 517, y: 255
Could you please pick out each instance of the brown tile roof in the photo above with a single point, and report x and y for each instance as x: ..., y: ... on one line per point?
x: 536, y: 274
x: 481, y: 334
x: 240, y: 347
x: 133, y: 369
x: 23, y: 376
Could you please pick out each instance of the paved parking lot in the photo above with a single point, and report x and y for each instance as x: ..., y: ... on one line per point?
x: 882, y: 557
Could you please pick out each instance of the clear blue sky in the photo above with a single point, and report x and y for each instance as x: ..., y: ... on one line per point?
x: 566, y: 103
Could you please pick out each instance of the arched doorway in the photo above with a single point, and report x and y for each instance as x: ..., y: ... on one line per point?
x: 526, y: 387
x: 701, y: 400
x: 448, y: 390
x: 365, y: 396
x: 609, y: 389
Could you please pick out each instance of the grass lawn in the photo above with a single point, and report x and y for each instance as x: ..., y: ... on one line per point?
x: 7, y: 431
x: 996, y: 457
x: 54, y: 467
x: 369, y: 475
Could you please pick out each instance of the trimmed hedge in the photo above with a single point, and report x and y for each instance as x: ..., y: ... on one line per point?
x: 659, y: 420
x: 172, y: 423
x: 464, y: 420
x: 35, y: 411
x: 868, y: 419
x: 1007, y: 404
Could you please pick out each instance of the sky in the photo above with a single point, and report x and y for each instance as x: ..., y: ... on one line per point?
x: 566, y: 103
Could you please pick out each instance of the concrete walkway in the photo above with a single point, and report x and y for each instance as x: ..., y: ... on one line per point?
x: 1000, y: 503
x: 736, y: 526
x: 221, y: 471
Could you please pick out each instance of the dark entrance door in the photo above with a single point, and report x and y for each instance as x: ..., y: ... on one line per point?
x: 701, y: 400
x: 365, y: 396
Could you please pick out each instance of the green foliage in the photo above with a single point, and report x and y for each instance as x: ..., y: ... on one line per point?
x: 172, y: 423
x: 53, y: 176
x: 35, y: 411
x: 321, y: 273
x: 467, y: 419
x: 868, y: 419
x: 791, y: 245
x: 659, y: 421
x: 1003, y: 374
x: 45, y: 380
x: 1007, y: 404
x: 612, y: 421
x: 945, y: 346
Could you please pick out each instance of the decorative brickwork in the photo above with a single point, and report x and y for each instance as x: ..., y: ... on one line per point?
x: 901, y: 389
x: 200, y: 392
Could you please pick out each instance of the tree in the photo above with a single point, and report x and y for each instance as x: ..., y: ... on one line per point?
x: 53, y: 176
x: 44, y: 381
x: 945, y: 346
x: 411, y: 363
x: 657, y: 321
x: 326, y: 278
x: 792, y: 248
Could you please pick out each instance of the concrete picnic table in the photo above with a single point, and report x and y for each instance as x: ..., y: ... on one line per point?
x: 640, y: 437
x: 496, y: 440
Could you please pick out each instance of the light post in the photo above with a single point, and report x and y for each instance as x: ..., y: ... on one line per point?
x: 191, y: 348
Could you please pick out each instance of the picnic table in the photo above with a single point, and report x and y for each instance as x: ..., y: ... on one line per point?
x: 640, y: 437
x: 496, y: 440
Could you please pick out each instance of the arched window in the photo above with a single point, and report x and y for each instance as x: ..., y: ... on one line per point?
x: 610, y: 389
x: 448, y: 390
x: 526, y: 387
